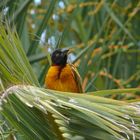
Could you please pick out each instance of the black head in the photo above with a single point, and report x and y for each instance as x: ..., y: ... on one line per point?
x: 59, y: 57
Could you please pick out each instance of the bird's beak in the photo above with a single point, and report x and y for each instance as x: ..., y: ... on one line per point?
x: 66, y: 52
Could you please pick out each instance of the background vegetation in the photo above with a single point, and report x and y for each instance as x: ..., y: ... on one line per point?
x: 104, y: 39
x: 101, y: 34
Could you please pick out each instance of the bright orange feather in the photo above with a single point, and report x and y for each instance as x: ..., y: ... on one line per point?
x: 61, y: 79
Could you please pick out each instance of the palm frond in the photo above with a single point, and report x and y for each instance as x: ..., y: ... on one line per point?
x: 86, y: 116
x: 14, y: 66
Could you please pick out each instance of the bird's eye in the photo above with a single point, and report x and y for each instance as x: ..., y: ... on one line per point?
x: 57, y: 54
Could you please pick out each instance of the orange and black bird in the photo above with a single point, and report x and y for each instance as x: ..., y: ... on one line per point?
x: 62, y: 76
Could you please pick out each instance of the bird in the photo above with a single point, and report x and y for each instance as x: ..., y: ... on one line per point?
x: 63, y: 76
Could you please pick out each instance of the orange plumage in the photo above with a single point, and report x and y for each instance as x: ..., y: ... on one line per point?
x: 62, y: 76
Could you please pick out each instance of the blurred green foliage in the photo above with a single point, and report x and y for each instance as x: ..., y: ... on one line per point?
x: 103, y: 36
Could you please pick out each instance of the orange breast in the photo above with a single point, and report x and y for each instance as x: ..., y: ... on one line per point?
x: 61, y: 79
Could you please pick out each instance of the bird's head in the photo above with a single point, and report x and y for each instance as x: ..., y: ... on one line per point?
x: 59, y: 57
